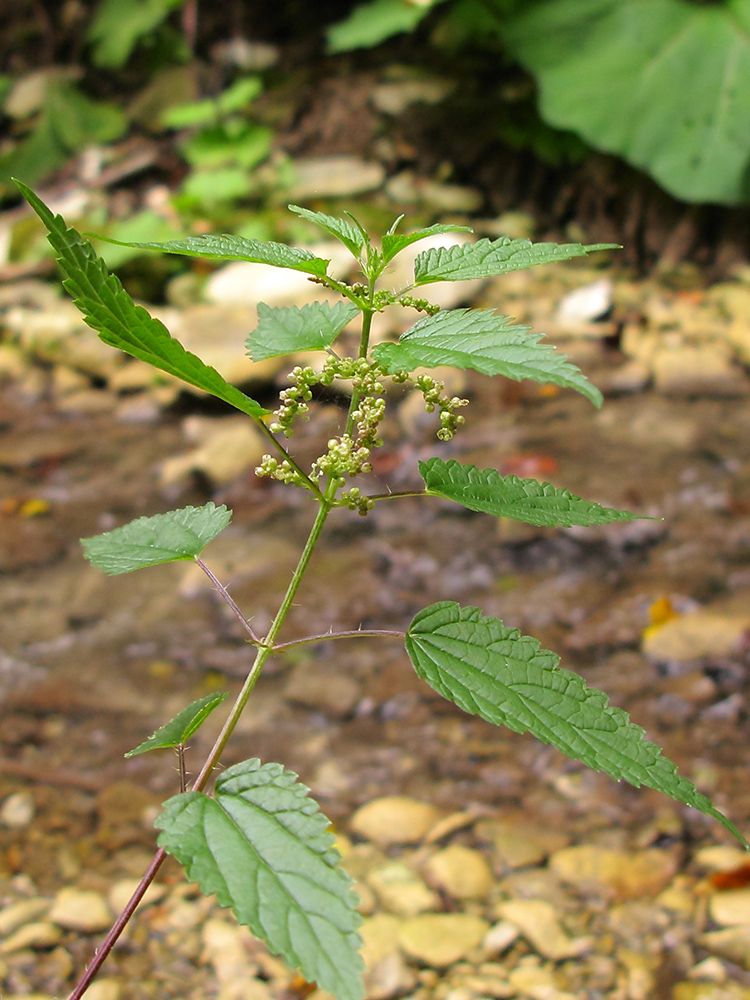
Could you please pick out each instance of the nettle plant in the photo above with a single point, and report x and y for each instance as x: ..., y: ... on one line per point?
x: 258, y: 841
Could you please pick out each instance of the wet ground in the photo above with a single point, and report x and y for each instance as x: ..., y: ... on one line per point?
x: 90, y: 666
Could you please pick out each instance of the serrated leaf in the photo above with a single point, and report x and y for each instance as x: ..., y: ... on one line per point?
x: 394, y: 243
x: 483, y: 340
x: 178, y: 730
x: 525, y: 500
x: 150, y: 541
x: 286, y: 329
x: 344, y: 231
x: 262, y: 846
x: 507, y: 678
x: 488, y: 258
x: 228, y: 247
x: 109, y: 310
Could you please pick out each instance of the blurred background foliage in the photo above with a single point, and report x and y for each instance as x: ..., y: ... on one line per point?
x: 663, y: 85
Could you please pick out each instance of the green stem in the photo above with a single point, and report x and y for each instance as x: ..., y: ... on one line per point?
x: 313, y: 487
x: 266, y: 650
x: 364, y: 346
x: 349, y: 634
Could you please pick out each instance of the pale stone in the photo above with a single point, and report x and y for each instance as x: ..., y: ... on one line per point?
x: 408, y: 188
x: 694, y: 635
x: 627, y: 874
x: 386, y: 972
x: 500, y: 937
x: 451, y: 824
x: 37, y: 935
x: 17, y: 810
x: 440, y: 939
x: 519, y: 844
x: 709, y: 991
x: 732, y: 943
x: 60, y: 336
x: 730, y: 908
x: 589, y: 302
x: 400, y: 890
x: 245, y: 284
x: 17, y: 914
x: 394, y: 819
x: 395, y: 96
x: 235, y: 447
x: 104, y: 989
x: 333, y: 177
x: 460, y: 871
x: 240, y: 559
x: 314, y: 686
x: 226, y: 947
x: 536, y: 981
x: 710, y: 970
x: 120, y: 893
x: 80, y: 910
x: 720, y: 857
x: 687, y: 371
x: 217, y: 334
x: 538, y: 923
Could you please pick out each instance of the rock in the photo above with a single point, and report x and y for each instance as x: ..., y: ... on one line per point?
x: 519, y: 844
x: 104, y: 989
x: 80, y: 910
x: 226, y: 946
x: 121, y: 891
x: 538, y: 923
x: 17, y: 811
x: 407, y: 188
x: 732, y: 943
x: 589, y: 302
x: 628, y: 875
x: 440, y: 939
x: 536, y: 981
x: 710, y: 970
x: 633, y: 376
x: 690, y: 371
x: 313, y: 685
x: 730, y: 908
x: 36, y: 935
x: 709, y: 991
x: 241, y: 559
x: 16, y: 915
x: 460, y: 871
x: 217, y: 335
x: 242, y: 283
x: 386, y: 974
x: 697, y: 634
x: 394, y: 819
x: 60, y: 336
x: 720, y: 857
x: 234, y: 447
x: 450, y: 824
x: 500, y: 937
x: 395, y: 96
x: 400, y: 890
x: 333, y: 177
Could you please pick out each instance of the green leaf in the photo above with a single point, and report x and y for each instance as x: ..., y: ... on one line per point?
x: 206, y: 112
x: 508, y: 496
x: 394, y: 243
x: 371, y: 23
x: 150, y: 541
x: 228, y: 247
x: 508, y: 679
x: 286, y: 329
x: 109, y: 310
x: 262, y: 846
x: 482, y: 340
x: 344, y: 231
x: 120, y: 24
x: 179, y: 729
x: 487, y: 258
x: 622, y: 74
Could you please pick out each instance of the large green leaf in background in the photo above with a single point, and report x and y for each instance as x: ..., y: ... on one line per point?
x: 663, y: 83
x: 494, y: 671
x: 264, y: 848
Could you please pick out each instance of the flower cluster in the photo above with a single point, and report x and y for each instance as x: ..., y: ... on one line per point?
x: 433, y: 392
